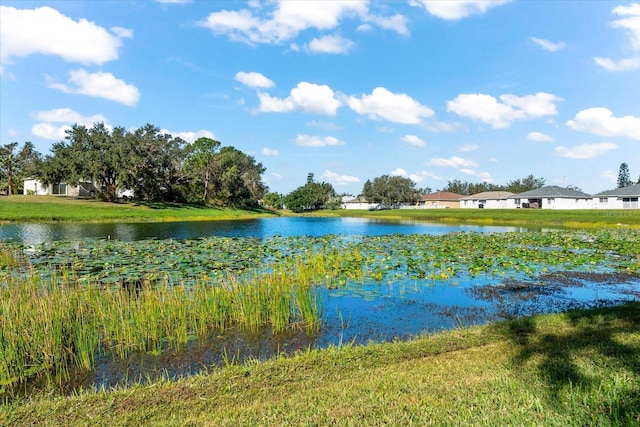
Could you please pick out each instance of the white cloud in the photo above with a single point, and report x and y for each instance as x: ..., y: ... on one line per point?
x: 397, y: 23
x: 269, y: 152
x: 339, y: 180
x: 322, y: 125
x: 500, y: 114
x: 317, y: 141
x: 330, y: 44
x: 383, y: 104
x: 54, y: 123
x: 465, y: 148
x: 253, y: 79
x: 484, y: 176
x: 454, y: 162
x: 50, y: 131
x: 46, y: 31
x: 630, y: 21
x: 306, y: 97
x: 585, y: 151
x: 413, y: 140
x: 600, y: 121
x: 626, y: 64
x: 416, y: 177
x: 67, y: 115
x: 283, y: 23
x: 548, y: 45
x: 190, y: 136
x: 539, y: 136
x: 100, y: 85
x: 458, y: 9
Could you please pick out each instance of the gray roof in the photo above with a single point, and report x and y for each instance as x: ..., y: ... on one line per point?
x: 489, y: 195
x: 551, y: 191
x: 630, y: 191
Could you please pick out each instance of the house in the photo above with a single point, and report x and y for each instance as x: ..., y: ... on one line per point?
x: 437, y: 200
x: 620, y: 198
x: 488, y: 200
x: 34, y: 187
x: 350, y: 202
x: 552, y: 197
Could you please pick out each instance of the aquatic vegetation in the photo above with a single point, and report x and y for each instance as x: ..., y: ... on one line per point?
x: 62, y: 304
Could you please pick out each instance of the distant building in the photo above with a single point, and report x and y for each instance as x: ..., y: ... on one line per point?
x: 620, y: 198
x: 488, y: 200
x: 437, y: 200
x: 552, y: 197
x: 350, y: 202
x: 34, y: 187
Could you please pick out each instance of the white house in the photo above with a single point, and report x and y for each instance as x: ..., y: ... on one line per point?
x: 620, y: 198
x: 350, y: 202
x: 34, y: 187
x: 488, y: 200
x: 552, y: 197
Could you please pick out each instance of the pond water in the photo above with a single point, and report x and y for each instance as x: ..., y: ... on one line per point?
x: 398, y: 306
x: 260, y: 228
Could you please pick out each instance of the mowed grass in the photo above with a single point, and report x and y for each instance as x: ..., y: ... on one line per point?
x: 70, y: 209
x: 518, y: 217
x: 572, y: 369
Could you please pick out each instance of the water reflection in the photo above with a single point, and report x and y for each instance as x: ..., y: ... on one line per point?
x: 34, y: 234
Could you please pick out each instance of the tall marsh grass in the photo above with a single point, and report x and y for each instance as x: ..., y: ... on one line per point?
x: 50, y: 326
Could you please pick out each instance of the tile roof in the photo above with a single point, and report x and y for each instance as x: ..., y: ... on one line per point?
x: 441, y: 195
x: 630, y: 191
x: 492, y: 195
x: 552, y: 191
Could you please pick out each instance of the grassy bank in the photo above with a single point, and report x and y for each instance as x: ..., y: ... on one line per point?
x: 528, y: 217
x: 69, y: 209
x: 572, y: 369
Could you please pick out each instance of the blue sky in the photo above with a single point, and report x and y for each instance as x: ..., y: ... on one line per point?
x: 490, y: 90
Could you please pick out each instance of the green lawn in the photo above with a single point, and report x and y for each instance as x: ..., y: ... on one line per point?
x: 573, y: 369
x: 58, y: 209
x: 564, y: 218
x: 69, y: 209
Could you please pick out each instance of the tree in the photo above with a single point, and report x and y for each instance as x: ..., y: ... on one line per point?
x: 311, y: 196
x: 200, y: 162
x: 390, y: 189
x: 239, y: 179
x: 143, y: 160
x: 274, y: 200
x: 525, y: 184
x: 624, y: 177
x: 466, y: 188
x: 15, y: 165
x: 155, y: 161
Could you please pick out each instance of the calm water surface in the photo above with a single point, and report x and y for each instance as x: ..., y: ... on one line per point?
x: 33, y: 234
x: 359, y: 314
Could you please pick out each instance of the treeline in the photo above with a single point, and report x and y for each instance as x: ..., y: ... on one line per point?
x: 154, y: 166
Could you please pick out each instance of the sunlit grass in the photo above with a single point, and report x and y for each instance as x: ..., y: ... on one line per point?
x: 48, y: 327
x: 69, y: 209
x: 572, y: 369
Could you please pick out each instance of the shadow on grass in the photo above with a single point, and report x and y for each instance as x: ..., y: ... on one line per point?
x: 567, y: 353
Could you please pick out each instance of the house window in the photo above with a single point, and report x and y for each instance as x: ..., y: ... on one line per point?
x: 517, y: 201
x: 604, y: 200
x: 59, y: 189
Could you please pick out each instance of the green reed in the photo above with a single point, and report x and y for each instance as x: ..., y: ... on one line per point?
x: 50, y: 326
